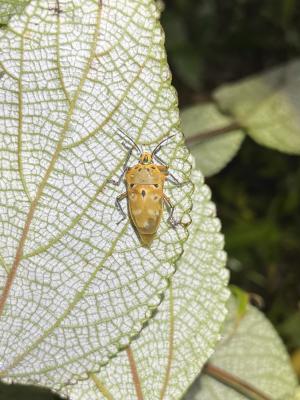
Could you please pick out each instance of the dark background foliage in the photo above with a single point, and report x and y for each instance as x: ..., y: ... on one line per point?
x: 210, y: 42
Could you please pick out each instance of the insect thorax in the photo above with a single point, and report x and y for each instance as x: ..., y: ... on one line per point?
x: 147, y: 174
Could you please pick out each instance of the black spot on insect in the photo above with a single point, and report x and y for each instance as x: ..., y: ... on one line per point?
x: 153, y: 167
x: 148, y: 169
x: 140, y: 169
x: 136, y: 167
x: 156, y: 185
x: 155, y: 197
x: 131, y: 185
x: 143, y: 193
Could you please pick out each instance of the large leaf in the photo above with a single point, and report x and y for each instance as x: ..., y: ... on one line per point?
x: 170, y: 352
x: 296, y: 395
x: 75, y: 285
x: 267, y: 105
x: 251, y: 351
x: 8, y: 8
x: 213, y: 138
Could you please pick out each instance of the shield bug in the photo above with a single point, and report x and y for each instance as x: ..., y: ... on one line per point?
x: 145, y: 190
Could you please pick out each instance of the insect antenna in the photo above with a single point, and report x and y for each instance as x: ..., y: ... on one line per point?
x: 159, y: 146
x: 130, y: 140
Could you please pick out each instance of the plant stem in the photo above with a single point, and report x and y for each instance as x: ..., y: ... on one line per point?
x: 210, y: 134
x: 135, y: 375
x: 235, y: 383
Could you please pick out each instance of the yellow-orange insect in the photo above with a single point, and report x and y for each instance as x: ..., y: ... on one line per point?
x: 145, y: 191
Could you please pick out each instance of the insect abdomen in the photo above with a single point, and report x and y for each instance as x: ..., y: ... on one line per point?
x: 145, y: 206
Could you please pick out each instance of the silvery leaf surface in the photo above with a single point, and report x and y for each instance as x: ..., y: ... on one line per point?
x: 8, y: 8
x: 170, y: 351
x: 76, y: 286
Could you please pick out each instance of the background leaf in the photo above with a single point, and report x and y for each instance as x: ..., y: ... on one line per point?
x: 8, y: 8
x: 251, y: 351
x: 22, y: 392
x: 211, y: 149
x: 75, y: 286
x: 171, y: 350
x: 267, y: 106
x: 296, y: 395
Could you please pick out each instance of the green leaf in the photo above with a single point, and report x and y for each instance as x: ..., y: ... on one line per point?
x: 267, y: 106
x: 24, y: 392
x: 296, y: 395
x: 212, y: 147
x: 171, y: 350
x: 251, y: 352
x: 75, y: 286
x: 181, y: 52
x: 8, y: 8
x: 289, y: 328
x: 242, y: 301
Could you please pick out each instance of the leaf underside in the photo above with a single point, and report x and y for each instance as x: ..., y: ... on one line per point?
x: 75, y: 285
x: 296, y: 395
x: 252, y: 351
x: 267, y: 106
x: 212, y: 152
x: 171, y: 350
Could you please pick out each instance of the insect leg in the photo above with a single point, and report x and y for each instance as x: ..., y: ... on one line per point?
x: 159, y: 160
x: 171, y: 209
x: 125, y: 166
x: 171, y: 178
x: 119, y: 207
